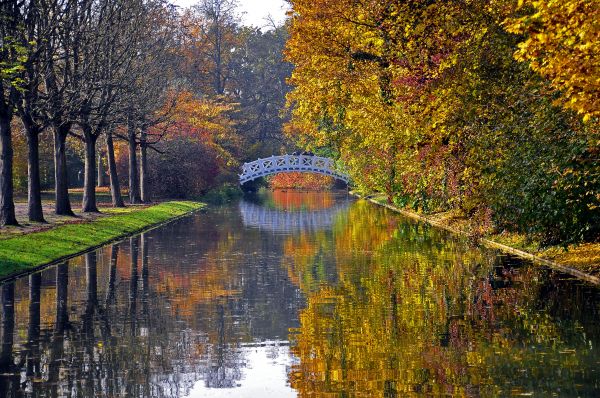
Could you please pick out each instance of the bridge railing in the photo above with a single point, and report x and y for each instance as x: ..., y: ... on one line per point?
x: 290, y: 163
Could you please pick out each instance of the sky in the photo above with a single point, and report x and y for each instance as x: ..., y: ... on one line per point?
x: 255, y: 11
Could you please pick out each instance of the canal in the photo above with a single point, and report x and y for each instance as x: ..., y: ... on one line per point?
x: 298, y: 295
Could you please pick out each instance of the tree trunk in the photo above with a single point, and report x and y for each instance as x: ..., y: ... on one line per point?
x: 115, y: 187
x: 144, y: 188
x: 134, y: 181
x: 34, y: 190
x: 89, y: 186
x: 62, y: 204
x: 7, y: 204
x: 101, y: 179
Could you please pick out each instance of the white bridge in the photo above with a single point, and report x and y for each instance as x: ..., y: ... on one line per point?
x: 291, y: 163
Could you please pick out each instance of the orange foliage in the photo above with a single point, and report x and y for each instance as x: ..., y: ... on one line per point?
x: 295, y: 200
x: 301, y: 181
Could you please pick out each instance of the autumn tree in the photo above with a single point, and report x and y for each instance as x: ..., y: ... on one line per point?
x: 562, y: 43
x: 210, y: 36
x: 12, y: 57
x: 420, y: 101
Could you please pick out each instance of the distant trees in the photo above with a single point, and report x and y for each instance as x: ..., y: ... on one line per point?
x: 261, y: 87
x: 211, y: 35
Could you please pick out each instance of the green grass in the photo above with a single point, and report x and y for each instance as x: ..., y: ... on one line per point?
x: 35, y: 249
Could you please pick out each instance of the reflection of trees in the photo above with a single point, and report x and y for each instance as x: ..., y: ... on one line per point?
x: 224, y: 367
x: 127, y: 324
x: 33, y: 368
x: 417, y: 312
x: 9, y: 378
x: 101, y: 352
x: 393, y: 309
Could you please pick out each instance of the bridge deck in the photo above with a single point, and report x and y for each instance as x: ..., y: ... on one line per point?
x: 291, y: 163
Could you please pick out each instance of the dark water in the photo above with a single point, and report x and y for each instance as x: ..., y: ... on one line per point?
x: 310, y: 295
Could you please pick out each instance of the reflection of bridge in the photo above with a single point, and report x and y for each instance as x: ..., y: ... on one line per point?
x: 257, y: 216
x: 291, y: 163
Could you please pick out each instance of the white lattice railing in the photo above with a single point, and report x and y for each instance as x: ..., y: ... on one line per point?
x: 290, y: 163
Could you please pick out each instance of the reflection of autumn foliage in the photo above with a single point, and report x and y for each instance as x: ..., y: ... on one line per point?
x: 418, y: 312
x: 188, y: 291
x: 295, y: 200
x: 304, y: 257
x: 301, y: 181
x: 212, y: 283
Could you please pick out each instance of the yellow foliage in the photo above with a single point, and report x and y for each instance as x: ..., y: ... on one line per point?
x: 562, y: 43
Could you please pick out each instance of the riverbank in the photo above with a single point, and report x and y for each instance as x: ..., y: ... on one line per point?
x: 28, y: 251
x: 581, y: 261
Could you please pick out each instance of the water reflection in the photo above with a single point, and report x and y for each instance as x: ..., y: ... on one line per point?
x: 368, y: 305
x: 276, y: 220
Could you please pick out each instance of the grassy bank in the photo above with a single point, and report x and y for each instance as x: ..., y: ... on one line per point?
x: 582, y: 261
x: 35, y: 249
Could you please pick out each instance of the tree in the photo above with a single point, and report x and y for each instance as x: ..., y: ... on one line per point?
x: 210, y: 34
x: 259, y: 86
x: 424, y: 102
x: 12, y: 57
x: 107, y: 56
x: 562, y: 43
x: 38, y: 23
x: 150, y: 100
x: 60, y: 81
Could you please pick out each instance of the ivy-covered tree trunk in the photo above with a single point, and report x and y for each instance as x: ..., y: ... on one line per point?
x: 100, y: 180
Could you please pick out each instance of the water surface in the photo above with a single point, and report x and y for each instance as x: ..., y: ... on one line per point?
x: 298, y: 295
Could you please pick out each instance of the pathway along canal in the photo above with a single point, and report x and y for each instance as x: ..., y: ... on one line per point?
x: 298, y: 294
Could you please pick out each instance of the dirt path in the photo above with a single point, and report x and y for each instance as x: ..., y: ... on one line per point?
x: 52, y: 219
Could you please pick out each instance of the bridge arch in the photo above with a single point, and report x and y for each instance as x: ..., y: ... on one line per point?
x: 291, y: 163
